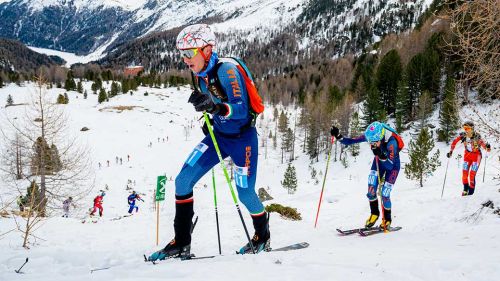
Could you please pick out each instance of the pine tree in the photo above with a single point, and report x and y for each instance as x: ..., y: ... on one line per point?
x: 10, y: 100
x: 102, y: 96
x: 1, y: 81
x: 420, y: 165
x: 371, y: 106
x: 79, y: 87
x: 355, y: 131
x: 388, y: 76
x: 401, y: 101
x: 66, y: 98
x: 415, y: 75
x: 282, y: 123
x: 114, y: 89
x: 70, y: 84
x: 290, y: 179
x: 125, y: 86
x: 448, y: 114
x: 424, y: 108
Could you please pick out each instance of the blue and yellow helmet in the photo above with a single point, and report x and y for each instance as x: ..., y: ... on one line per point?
x: 375, y: 132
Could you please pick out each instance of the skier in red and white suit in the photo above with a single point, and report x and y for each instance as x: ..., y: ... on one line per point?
x: 472, y: 155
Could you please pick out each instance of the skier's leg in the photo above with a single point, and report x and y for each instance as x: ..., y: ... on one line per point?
x: 244, y: 153
x: 372, y: 195
x: 200, y: 161
x: 100, y: 210
x: 131, y: 208
x: 473, y: 172
x: 465, y: 174
x: 390, y: 180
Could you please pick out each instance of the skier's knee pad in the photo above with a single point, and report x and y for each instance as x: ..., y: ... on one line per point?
x: 386, y: 202
x: 372, y: 193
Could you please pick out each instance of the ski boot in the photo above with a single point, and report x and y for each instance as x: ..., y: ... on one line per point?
x: 466, y: 190
x: 172, y: 250
x: 261, y: 240
x: 386, y: 220
x: 180, y: 246
x: 372, y: 219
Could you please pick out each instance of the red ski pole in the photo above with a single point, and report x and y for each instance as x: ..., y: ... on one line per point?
x: 324, y: 180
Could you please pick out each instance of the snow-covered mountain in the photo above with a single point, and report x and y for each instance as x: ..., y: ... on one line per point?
x: 84, y: 26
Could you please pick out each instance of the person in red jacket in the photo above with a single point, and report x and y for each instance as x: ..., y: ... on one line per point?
x: 98, y: 204
x: 472, y: 155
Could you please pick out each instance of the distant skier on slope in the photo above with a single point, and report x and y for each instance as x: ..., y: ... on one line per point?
x: 385, y: 144
x: 66, y: 205
x: 224, y: 94
x: 131, y: 202
x: 98, y: 200
x: 472, y: 155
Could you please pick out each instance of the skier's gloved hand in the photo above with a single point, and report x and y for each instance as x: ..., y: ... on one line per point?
x: 335, y: 132
x: 204, y: 128
x: 448, y: 154
x: 378, y: 152
x: 201, y: 102
x: 488, y: 147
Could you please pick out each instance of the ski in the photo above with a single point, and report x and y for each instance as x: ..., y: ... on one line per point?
x: 296, y: 246
x: 291, y: 247
x: 352, y: 231
x: 377, y: 230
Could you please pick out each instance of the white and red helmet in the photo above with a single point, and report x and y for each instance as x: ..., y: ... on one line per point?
x: 195, y: 36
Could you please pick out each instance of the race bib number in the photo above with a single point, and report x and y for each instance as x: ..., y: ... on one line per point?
x: 373, y: 178
x: 196, y: 154
x: 386, y: 190
x: 241, y: 176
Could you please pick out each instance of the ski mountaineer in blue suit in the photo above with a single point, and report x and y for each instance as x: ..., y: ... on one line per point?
x: 233, y: 125
x: 131, y: 202
x: 385, y: 144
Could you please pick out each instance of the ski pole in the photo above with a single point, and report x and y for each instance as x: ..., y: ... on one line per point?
x: 216, y: 213
x: 19, y: 270
x: 379, y: 190
x: 221, y: 161
x: 484, y: 171
x: 445, y: 174
x: 324, y: 180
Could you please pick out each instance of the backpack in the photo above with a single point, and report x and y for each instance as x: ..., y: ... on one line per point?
x: 398, y: 138
x: 214, y: 86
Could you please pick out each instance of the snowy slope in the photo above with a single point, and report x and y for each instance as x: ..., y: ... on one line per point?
x: 436, y: 242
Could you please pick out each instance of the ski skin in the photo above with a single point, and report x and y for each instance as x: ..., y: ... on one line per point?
x: 378, y: 230
x: 296, y: 246
x: 352, y: 231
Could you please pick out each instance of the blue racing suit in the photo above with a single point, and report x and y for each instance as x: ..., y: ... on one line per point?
x: 131, y: 202
x: 235, y: 138
x: 388, y: 168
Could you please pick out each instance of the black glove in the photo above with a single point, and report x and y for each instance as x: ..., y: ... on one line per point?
x: 201, y: 102
x: 449, y: 154
x: 488, y: 147
x: 334, y: 132
x: 378, y: 152
x: 204, y: 128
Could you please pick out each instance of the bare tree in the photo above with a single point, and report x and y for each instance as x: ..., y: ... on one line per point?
x: 476, y: 43
x: 45, y: 155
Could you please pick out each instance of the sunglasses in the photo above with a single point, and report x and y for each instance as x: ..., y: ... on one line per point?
x: 189, y: 53
x: 467, y: 128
